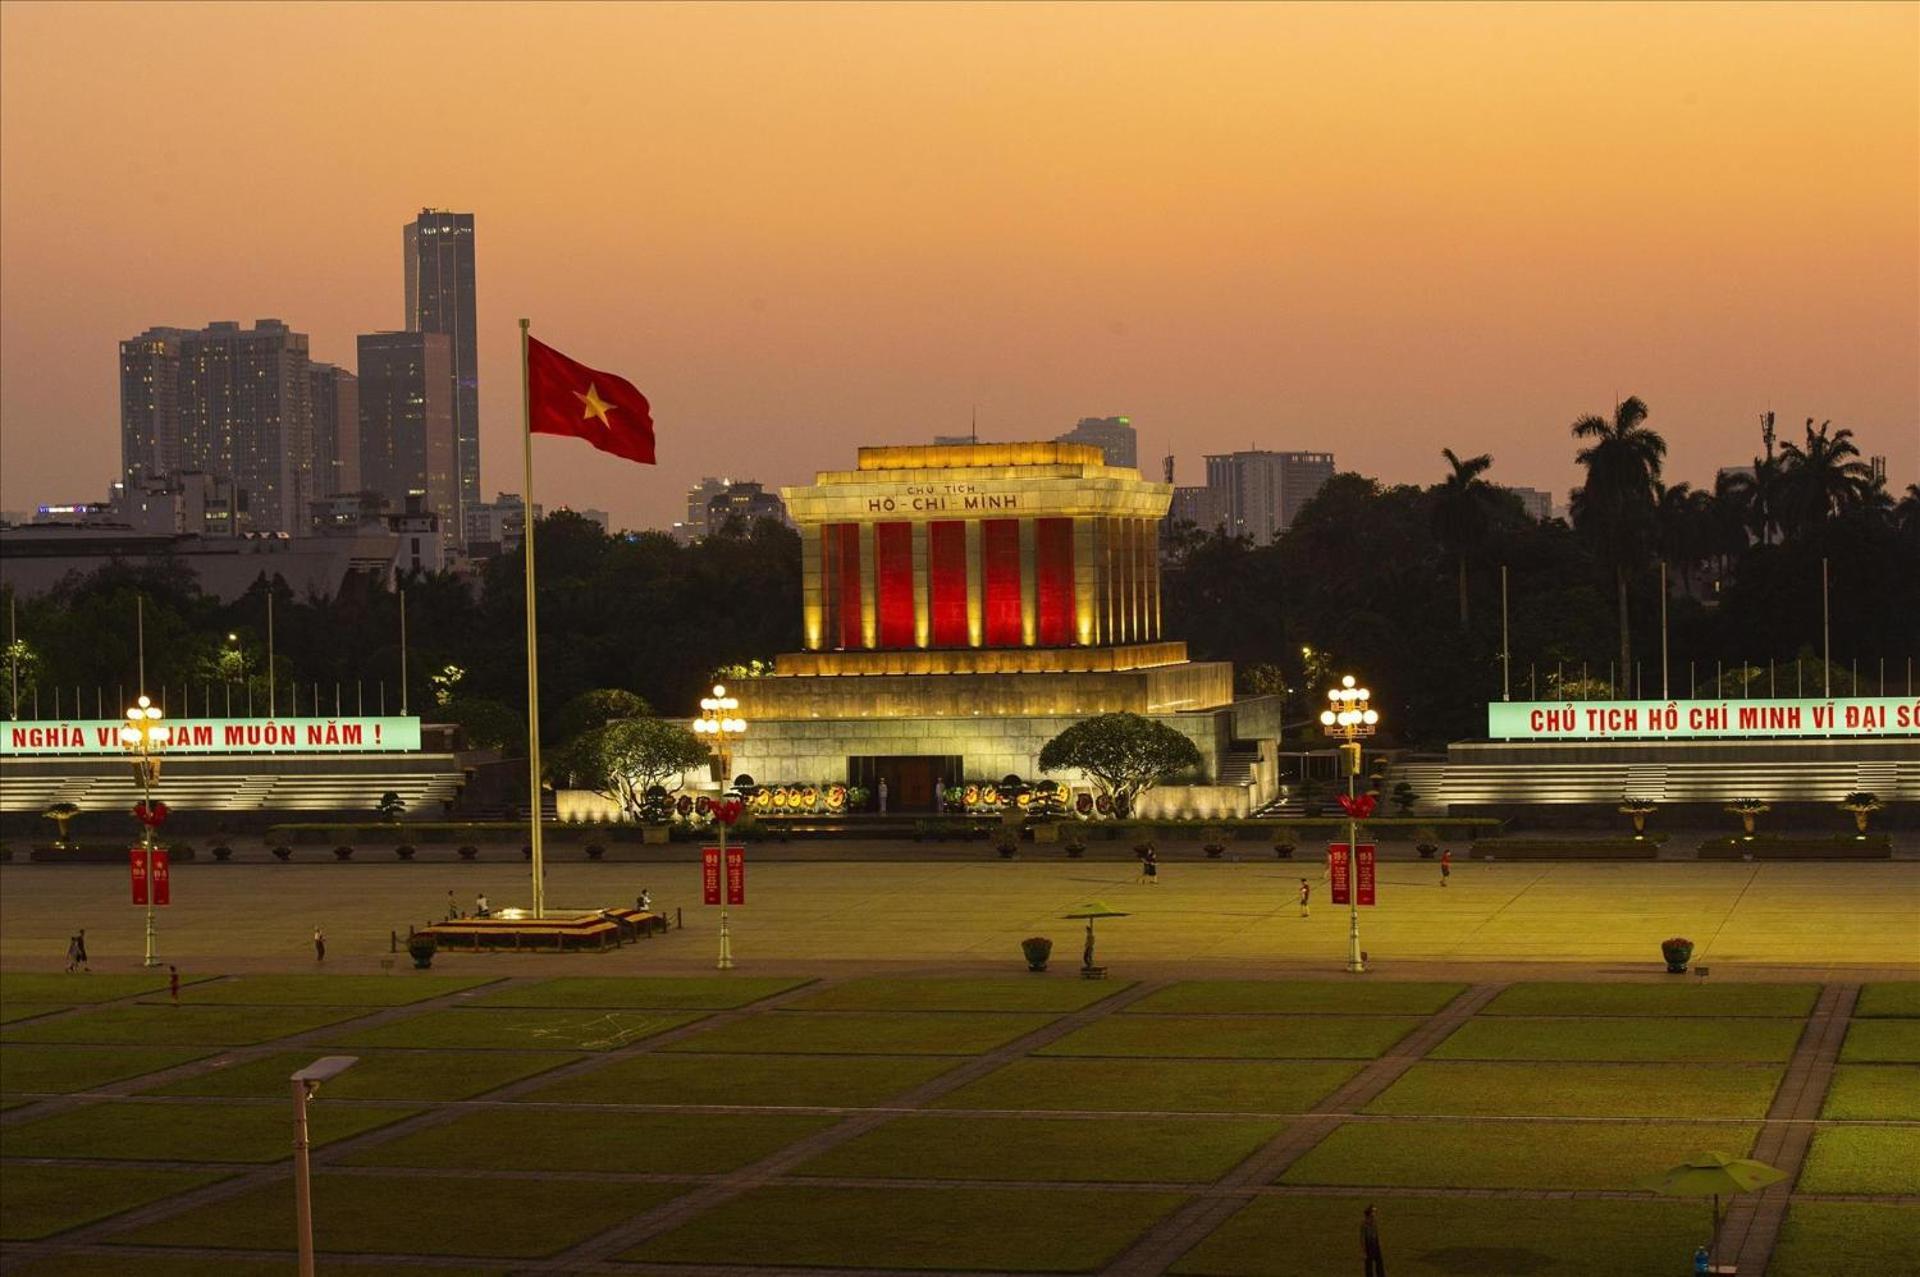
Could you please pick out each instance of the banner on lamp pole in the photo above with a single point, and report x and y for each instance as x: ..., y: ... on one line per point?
x: 138, y: 857
x: 1363, y: 878
x: 160, y: 871
x: 736, y: 875
x: 710, y: 875
x: 1338, y: 877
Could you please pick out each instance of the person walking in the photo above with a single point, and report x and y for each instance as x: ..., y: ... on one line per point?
x: 1152, y: 867
x: 1306, y: 896
x: 80, y: 950
x: 73, y: 954
x: 939, y: 794
x: 1446, y: 867
x: 173, y: 983
x: 644, y: 901
x: 319, y: 945
x: 1370, y: 1240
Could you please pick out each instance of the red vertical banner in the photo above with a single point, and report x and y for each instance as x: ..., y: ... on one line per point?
x: 947, y: 582
x: 1363, y: 881
x: 139, y: 858
x: 161, y: 872
x: 1337, y: 875
x: 1053, y: 561
x: 1002, y: 607
x: 736, y: 875
x: 710, y: 875
x: 893, y: 574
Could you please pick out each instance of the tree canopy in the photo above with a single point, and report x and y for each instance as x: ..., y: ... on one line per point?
x: 622, y: 760
x: 1124, y: 753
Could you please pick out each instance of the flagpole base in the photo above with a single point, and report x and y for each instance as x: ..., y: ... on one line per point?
x: 153, y: 958
x: 726, y: 944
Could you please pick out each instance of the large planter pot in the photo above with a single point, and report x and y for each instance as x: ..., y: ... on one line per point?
x: 469, y: 853
x: 1677, y: 956
x: 404, y: 851
x: 421, y: 953
x: 1037, y: 949
x: 1076, y: 850
x: 1283, y: 850
x: 223, y: 854
x: 283, y: 854
x: 1007, y: 850
x: 1215, y: 850
x: 595, y: 851
x: 343, y: 853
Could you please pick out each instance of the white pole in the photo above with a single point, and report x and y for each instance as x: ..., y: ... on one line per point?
x: 273, y: 689
x: 302, y: 1180
x: 1355, y: 963
x: 726, y: 933
x: 403, y: 651
x: 533, y: 640
x: 1663, y: 629
x: 1506, y: 657
x: 140, y: 641
x: 1826, y: 635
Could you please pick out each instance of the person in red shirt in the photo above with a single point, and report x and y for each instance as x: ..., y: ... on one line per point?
x: 1446, y: 867
x: 1306, y: 895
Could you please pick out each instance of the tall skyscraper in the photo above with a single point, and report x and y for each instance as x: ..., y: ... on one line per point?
x: 1259, y: 494
x: 336, y: 430
x: 149, y: 404
x: 1538, y: 502
x: 407, y: 440
x: 244, y: 398
x: 1114, y: 436
x: 439, y: 262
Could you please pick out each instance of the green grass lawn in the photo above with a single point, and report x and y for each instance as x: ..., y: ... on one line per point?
x: 658, y: 1077
x: 867, y: 1033
x: 1451, y: 1237
x: 325, y: 990
x: 163, y: 1265
x: 1899, y: 998
x: 60, y: 1069
x: 1819, y: 1239
x: 1549, y: 1155
x: 533, y: 1139
x: 1035, y: 993
x: 80, y: 989
x: 1150, y: 1086
x: 1863, y: 1159
x: 380, y: 1075
x: 14, y: 1012
x: 529, y: 1028
x: 1057, y: 1149
x: 185, y: 1132
x: 1650, y: 1040
x: 37, y: 1201
x: 1006, y: 1230
x: 1581, y: 1090
x: 144, y: 1025
x: 1874, y: 1092
x: 415, y: 1214
x: 650, y: 993
x: 1243, y: 1037
x: 1689, y: 998
x: 1882, y: 1042
x: 1297, y: 997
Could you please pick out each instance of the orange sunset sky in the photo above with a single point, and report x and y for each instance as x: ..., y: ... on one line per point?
x: 1378, y: 229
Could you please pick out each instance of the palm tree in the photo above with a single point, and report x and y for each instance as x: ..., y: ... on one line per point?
x: 1460, y: 513
x: 1824, y: 479
x: 1906, y: 515
x: 1616, y: 504
x: 1687, y: 530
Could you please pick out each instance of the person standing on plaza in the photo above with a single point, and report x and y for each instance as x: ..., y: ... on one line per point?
x: 453, y: 910
x: 319, y: 945
x: 1152, y: 867
x: 80, y: 950
x: 173, y: 983
x: 481, y: 909
x: 939, y: 794
x: 1370, y: 1240
x: 882, y: 791
x: 1306, y: 896
x: 1446, y: 867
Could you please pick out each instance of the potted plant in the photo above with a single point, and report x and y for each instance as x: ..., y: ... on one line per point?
x: 1747, y: 809
x: 390, y: 806
x: 1861, y: 803
x: 1038, y: 949
x: 1076, y: 848
x: 595, y: 851
x: 1404, y: 798
x: 222, y: 853
x: 421, y: 948
x: 404, y: 851
x: 1007, y: 845
x: 469, y: 852
x: 1678, y: 952
x: 1638, y: 809
x: 1427, y: 850
x: 60, y: 814
x: 343, y: 852
x: 1215, y: 844
x: 1282, y: 846
x: 283, y: 854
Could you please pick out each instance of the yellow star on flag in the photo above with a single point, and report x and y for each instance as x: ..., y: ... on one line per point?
x: 595, y: 405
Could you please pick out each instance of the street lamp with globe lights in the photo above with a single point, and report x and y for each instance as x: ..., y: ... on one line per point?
x: 1350, y: 716
x: 720, y: 722
x: 143, y: 737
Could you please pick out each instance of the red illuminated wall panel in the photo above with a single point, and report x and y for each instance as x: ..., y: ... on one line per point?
x: 947, y: 582
x: 1000, y: 570
x: 1053, y: 560
x: 893, y: 568
x: 848, y: 561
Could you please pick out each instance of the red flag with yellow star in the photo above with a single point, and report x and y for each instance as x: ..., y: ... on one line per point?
x: 568, y: 398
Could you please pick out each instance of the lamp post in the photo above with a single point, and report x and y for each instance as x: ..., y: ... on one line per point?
x: 305, y: 1083
x: 1350, y: 717
x: 720, y: 722
x: 143, y: 738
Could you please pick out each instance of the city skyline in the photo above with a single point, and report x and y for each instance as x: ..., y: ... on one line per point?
x: 1407, y: 242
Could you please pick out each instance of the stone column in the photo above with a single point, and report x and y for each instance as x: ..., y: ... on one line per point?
x: 812, y: 601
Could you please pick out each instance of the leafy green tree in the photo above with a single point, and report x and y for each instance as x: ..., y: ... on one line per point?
x: 1125, y: 754
x: 597, y: 708
x: 1615, y: 507
x: 1821, y: 481
x: 487, y: 724
x: 1460, y: 514
x: 622, y: 760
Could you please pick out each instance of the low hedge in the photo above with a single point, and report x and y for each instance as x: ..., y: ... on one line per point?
x: 1871, y: 847
x: 1566, y: 849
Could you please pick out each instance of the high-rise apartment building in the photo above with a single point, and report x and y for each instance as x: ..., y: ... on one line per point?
x: 1196, y: 505
x: 336, y: 430
x: 1114, y: 436
x: 439, y: 265
x: 1538, y: 502
x: 245, y: 402
x: 149, y: 404
x: 1259, y: 494
x: 407, y: 441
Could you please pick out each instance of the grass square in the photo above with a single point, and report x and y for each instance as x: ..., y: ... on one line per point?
x: 1646, y: 1040
x: 1899, y: 999
x: 380, y: 1075
x: 1532, y: 1155
x: 1821, y: 1238
x: 1066, y: 1084
x: 149, y: 1025
x: 657, y: 1077
x: 532, y: 1139
x: 325, y: 990
x: 1310, y: 1236
x: 62, y: 1069
x: 1244, y: 1037
x: 1037, y: 993
x: 189, y: 1132
x: 1689, y: 998
x: 1882, y: 1042
x: 1874, y: 1092
x: 38, y: 1201
x: 867, y: 1033
x: 646, y: 993
x: 80, y: 989
x: 163, y: 1265
x: 1863, y: 1159
x: 14, y: 1012
x: 416, y: 1214
x: 998, y: 1229
x: 529, y: 1028
x: 1297, y: 997
x: 1477, y: 1089
x: 1052, y: 1149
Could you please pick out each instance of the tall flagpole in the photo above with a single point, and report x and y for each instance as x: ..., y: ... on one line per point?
x: 533, y: 640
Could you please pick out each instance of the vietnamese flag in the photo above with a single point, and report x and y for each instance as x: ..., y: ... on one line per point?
x: 569, y: 398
